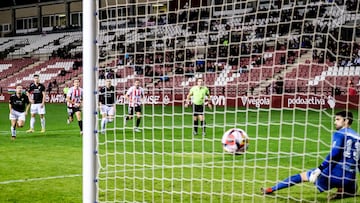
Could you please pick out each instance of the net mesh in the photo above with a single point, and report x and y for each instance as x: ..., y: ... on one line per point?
x: 276, y: 69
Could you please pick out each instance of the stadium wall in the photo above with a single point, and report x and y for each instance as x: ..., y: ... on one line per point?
x: 26, y: 12
x: 35, y: 13
x: 5, y: 17
x: 53, y: 9
x: 265, y: 101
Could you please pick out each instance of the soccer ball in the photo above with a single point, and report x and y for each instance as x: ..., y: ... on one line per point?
x: 235, y: 141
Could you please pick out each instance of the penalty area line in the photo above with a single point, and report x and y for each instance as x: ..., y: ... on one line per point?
x: 39, y: 179
x: 3, y: 132
x: 147, y: 169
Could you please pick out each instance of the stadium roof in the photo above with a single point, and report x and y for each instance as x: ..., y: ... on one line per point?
x: 9, y: 3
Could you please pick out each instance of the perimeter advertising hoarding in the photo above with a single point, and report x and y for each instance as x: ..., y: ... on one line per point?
x: 264, y: 101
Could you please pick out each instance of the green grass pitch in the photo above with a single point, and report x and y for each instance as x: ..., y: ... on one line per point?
x: 165, y: 162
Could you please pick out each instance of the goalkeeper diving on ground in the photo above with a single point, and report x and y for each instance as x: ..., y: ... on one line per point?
x: 338, y: 170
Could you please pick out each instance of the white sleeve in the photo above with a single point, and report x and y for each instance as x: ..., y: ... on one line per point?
x: 129, y: 91
x: 69, y: 92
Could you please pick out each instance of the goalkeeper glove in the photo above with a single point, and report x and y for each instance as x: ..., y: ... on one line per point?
x: 314, y: 175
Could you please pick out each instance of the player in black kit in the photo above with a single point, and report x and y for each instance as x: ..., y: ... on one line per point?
x: 37, y: 103
x: 107, y: 98
x: 18, y: 106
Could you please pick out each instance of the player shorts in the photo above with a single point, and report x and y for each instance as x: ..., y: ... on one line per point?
x: 108, y: 110
x: 133, y: 109
x: 198, y: 109
x: 75, y: 109
x: 16, y: 115
x: 326, y: 182
x: 70, y: 111
x: 37, y: 109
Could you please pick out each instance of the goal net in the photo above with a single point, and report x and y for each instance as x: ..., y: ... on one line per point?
x: 279, y: 70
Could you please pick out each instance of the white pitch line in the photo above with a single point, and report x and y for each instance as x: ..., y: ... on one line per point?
x: 3, y: 132
x: 39, y: 179
x: 146, y: 169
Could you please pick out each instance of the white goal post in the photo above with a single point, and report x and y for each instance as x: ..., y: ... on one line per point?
x: 90, y: 100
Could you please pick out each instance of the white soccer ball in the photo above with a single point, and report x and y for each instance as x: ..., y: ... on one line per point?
x: 235, y: 141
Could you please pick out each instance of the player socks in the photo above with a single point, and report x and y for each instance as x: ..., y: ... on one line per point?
x: 32, y: 122
x: 202, y: 123
x: 13, y: 131
x: 288, y: 182
x: 196, y: 123
x: 80, y: 125
x: 103, y: 123
x: 42, y: 120
x: 138, y: 122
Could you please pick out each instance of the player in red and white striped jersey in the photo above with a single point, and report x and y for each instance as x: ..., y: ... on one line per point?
x: 74, y: 99
x: 134, y: 96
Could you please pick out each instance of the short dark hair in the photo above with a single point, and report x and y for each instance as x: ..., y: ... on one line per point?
x: 346, y: 115
x: 36, y: 75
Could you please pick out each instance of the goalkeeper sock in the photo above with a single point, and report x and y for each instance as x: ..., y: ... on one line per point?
x: 196, y: 123
x: 80, y: 125
x: 288, y: 182
x: 138, y: 122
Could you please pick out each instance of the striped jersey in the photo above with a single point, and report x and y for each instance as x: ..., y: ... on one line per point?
x: 75, y: 95
x: 135, y: 95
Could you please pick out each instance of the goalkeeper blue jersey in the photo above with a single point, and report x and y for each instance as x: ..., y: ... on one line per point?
x: 343, y: 160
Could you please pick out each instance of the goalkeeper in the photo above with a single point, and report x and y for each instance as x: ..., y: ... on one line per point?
x: 338, y: 170
x: 199, y: 94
